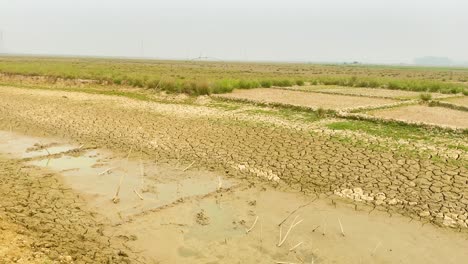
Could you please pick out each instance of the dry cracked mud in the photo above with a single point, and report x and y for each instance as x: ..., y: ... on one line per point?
x: 299, y: 159
x: 50, y: 220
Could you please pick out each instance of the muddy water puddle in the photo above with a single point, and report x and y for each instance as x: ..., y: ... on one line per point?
x: 143, y: 186
x: 169, y: 215
x: 97, y: 175
x: 29, y: 147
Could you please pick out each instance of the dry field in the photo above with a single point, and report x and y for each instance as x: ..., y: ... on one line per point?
x: 307, y: 100
x: 462, y: 101
x: 101, y: 173
x: 431, y: 115
x: 371, y: 92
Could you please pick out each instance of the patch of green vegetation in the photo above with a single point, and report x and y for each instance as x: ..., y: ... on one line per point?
x: 460, y: 147
x: 418, y: 85
x: 199, y: 78
x: 400, y: 150
x: 425, y: 97
x: 391, y: 130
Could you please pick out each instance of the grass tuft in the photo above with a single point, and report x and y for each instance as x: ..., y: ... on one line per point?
x: 425, y: 97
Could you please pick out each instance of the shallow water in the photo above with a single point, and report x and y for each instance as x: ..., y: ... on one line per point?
x: 19, y: 145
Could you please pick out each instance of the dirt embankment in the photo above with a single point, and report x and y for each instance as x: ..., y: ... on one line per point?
x: 418, y: 186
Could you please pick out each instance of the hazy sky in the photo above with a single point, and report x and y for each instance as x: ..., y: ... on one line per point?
x: 388, y: 31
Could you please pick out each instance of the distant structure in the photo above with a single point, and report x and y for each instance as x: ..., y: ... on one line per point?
x: 205, y: 58
x: 352, y: 63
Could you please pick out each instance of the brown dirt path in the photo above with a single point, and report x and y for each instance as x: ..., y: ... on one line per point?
x: 417, y: 186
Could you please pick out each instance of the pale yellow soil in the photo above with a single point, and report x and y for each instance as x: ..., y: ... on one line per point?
x: 17, y: 247
x: 463, y: 101
x: 377, y: 92
x: 313, y: 100
x: 431, y: 115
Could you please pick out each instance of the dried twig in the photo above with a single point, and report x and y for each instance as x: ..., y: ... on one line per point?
x: 295, y: 210
x: 293, y: 224
x: 138, y: 194
x: 285, y: 262
x: 106, y: 171
x: 375, y: 249
x: 220, y: 183
x: 188, y: 166
x: 142, y: 172
x: 116, y: 198
x: 298, y: 258
x: 341, y: 226
x: 250, y: 229
x: 261, y: 235
x: 298, y: 244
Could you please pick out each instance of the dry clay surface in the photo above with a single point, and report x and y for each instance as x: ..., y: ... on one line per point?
x: 44, y: 221
x: 305, y: 99
x: 377, y: 92
x: 312, y: 162
x: 174, y: 215
x: 463, y: 101
x: 425, y: 114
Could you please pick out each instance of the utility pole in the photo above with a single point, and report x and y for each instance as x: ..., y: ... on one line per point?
x: 2, y: 48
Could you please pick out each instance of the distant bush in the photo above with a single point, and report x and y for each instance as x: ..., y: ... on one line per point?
x: 117, y: 80
x: 321, y: 112
x: 152, y: 84
x: 169, y: 86
x: 282, y: 83
x: 244, y: 84
x: 425, y: 97
x: 202, y: 88
x: 300, y: 82
x: 136, y: 82
x: 222, y: 86
x: 266, y: 83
